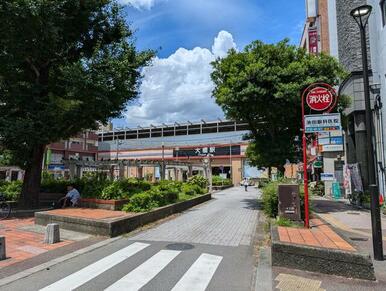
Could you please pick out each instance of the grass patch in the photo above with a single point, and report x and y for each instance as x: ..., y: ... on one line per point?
x: 281, y: 221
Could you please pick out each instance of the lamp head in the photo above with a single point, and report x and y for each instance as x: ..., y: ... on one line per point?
x: 361, y: 15
x: 361, y: 11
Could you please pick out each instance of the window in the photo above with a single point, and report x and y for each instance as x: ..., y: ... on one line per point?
x: 383, y: 11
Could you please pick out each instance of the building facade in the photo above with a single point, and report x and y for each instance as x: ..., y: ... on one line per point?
x: 83, y: 146
x: 320, y: 35
x: 377, y: 35
x: 316, y: 33
x: 221, y: 142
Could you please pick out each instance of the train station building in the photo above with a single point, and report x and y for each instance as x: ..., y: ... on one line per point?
x: 184, y: 149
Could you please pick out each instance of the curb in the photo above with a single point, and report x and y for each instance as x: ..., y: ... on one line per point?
x: 320, y: 260
x: 33, y: 270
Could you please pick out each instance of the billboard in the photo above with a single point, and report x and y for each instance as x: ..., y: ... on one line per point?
x: 313, y: 41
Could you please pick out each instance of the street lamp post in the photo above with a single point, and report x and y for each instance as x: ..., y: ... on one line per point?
x: 361, y: 15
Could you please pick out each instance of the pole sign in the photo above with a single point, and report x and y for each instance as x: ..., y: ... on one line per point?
x: 322, y: 122
x: 320, y: 98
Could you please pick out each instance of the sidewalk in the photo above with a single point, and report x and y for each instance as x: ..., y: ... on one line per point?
x: 346, y: 217
x: 22, y: 242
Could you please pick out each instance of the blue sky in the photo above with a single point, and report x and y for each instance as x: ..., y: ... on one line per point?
x: 169, y: 26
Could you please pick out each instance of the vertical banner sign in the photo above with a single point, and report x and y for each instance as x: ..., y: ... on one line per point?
x: 313, y: 41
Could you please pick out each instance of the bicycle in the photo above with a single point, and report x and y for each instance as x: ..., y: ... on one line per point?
x: 5, y: 207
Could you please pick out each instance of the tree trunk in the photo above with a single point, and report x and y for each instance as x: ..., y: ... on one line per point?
x: 280, y: 171
x: 29, y: 197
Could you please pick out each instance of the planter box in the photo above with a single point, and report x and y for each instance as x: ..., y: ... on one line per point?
x: 103, y: 204
x: 116, y: 226
x: 320, y: 260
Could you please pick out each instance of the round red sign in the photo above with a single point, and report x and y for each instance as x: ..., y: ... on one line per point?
x: 320, y: 98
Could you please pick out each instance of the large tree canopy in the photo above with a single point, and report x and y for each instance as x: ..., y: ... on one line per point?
x: 262, y: 86
x: 64, y: 64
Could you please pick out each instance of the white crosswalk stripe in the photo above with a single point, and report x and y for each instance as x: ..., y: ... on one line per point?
x: 199, y: 275
x: 86, y: 274
x: 196, y: 278
x: 140, y: 276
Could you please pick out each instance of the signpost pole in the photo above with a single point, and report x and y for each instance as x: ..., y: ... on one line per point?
x: 305, y: 174
x: 319, y: 97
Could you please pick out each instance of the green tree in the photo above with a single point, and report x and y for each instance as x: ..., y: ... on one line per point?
x: 5, y: 157
x: 64, y: 64
x: 262, y: 86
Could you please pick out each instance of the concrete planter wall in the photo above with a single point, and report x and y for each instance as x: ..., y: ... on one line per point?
x: 117, y: 226
x: 321, y: 260
x: 103, y: 204
x: 222, y: 187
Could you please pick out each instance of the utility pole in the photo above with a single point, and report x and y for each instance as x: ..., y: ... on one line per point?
x: 230, y: 160
x: 163, y: 162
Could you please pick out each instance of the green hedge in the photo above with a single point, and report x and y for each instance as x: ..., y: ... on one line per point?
x: 219, y: 181
x: 163, y: 193
x: 199, y: 181
x: 96, y: 185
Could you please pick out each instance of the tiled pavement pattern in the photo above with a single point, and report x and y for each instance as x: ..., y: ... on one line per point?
x: 89, y: 213
x: 229, y: 220
x: 290, y: 283
x: 22, y: 244
x: 319, y: 235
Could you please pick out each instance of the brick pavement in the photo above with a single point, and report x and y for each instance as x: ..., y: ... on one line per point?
x: 22, y: 244
x: 319, y: 235
x: 228, y: 220
x: 89, y: 213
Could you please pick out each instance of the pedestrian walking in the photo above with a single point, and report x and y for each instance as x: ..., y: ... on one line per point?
x: 245, y: 183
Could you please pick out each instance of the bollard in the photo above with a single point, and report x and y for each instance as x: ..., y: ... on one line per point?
x: 2, y: 248
x: 52, y: 233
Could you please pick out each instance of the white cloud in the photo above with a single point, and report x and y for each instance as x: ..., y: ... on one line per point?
x: 139, y: 4
x: 222, y: 43
x: 178, y: 88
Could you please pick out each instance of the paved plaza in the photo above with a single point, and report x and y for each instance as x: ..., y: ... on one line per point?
x: 22, y: 242
x: 209, y: 247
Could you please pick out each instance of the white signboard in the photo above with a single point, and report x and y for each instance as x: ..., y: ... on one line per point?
x: 327, y: 176
x: 332, y: 148
x: 322, y: 122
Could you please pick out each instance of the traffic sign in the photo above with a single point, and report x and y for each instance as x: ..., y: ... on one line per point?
x: 320, y: 98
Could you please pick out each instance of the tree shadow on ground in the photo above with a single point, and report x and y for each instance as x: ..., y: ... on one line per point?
x: 325, y: 206
x: 253, y: 204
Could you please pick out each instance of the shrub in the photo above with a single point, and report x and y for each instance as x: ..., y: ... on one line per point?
x: 114, y: 191
x: 198, y: 180
x: 141, y: 202
x: 317, y: 188
x: 11, y: 190
x: 189, y: 189
x: 270, y: 199
x: 192, y: 190
x: 220, y: 181
x: 160, y: 195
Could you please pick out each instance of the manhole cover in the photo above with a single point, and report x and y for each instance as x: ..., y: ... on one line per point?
x: 354, y: 213
x: 179, y: 247
x: 359, y: 238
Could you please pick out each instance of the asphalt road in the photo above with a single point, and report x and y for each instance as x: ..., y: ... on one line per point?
x: 209, y: 247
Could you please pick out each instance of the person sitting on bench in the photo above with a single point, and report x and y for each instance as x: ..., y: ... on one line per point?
x: 71, y: 199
